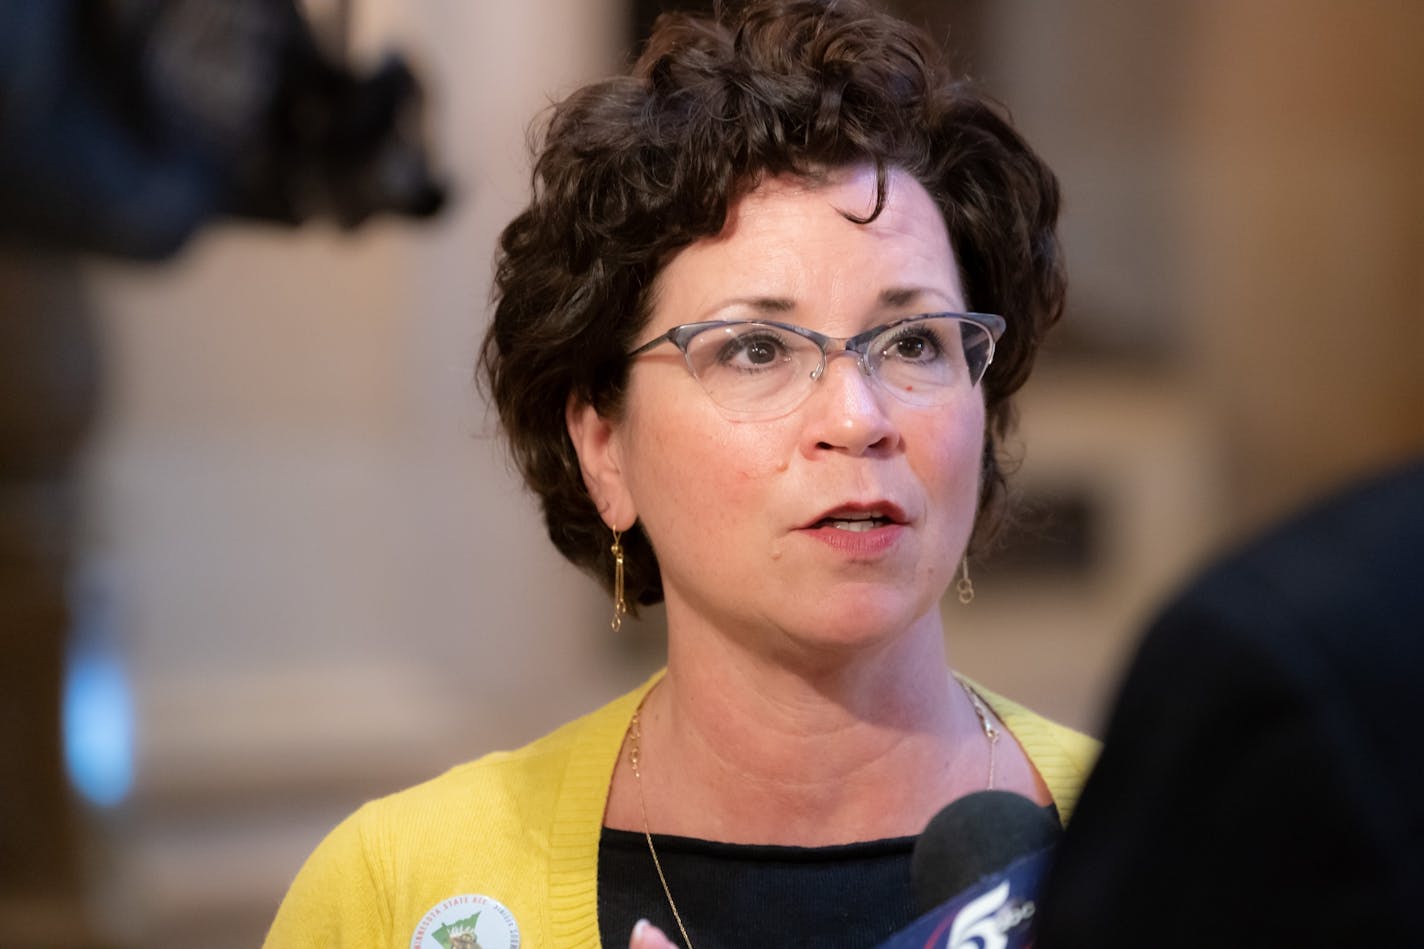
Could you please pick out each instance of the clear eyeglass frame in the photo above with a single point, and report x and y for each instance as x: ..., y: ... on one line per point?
x: 763, y: 394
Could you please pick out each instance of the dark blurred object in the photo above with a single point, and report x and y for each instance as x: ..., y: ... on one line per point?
x: 127, y: 124
x: 48, y: 381
x: 1260, y: 782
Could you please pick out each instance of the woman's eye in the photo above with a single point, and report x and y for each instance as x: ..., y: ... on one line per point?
x: 753, y: 351
x: 760, y: 351
x: 913, y: 347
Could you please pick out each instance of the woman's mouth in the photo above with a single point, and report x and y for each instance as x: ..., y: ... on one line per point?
x: 861, y: 531
x: 855, y: 523
x: 858, y: 517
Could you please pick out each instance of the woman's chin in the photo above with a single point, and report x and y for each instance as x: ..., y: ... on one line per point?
x: 861, y: 629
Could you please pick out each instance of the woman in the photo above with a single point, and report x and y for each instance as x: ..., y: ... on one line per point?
x: 740, y: 353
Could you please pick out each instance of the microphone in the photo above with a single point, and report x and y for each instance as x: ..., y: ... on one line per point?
x: 975, y: 873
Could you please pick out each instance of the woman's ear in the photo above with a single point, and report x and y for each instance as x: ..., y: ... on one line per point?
x: 599, y: 445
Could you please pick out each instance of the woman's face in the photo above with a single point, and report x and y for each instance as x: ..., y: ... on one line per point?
x: 842, y: 522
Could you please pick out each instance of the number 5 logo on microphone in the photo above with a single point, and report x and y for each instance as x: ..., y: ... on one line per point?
x: 978, y: 925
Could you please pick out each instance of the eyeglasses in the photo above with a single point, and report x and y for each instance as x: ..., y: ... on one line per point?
x: 760, y: 369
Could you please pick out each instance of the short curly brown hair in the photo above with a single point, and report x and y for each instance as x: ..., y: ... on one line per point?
x: 635, y: 168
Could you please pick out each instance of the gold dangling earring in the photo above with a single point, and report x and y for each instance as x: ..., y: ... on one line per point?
x: 965, y: 586
x: 620, y: 606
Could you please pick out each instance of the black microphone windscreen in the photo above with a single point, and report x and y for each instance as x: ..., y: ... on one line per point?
x: 972, y: 837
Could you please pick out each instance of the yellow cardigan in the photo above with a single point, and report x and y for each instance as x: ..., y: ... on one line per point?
x: 514, y: 836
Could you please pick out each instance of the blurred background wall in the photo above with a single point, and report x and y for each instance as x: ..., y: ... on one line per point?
x: 303, y: 551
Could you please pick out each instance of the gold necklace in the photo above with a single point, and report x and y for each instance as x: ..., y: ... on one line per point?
x: 635, y: 738
x: 635, y: 744
x: 986, y: 722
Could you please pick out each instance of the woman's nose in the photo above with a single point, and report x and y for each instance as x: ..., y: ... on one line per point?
x: 847, y: 412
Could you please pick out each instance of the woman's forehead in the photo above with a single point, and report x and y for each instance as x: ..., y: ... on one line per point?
x: 792, y: 236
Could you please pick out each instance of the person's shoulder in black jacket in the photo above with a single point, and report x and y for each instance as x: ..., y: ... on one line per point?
x: 1262, y: 775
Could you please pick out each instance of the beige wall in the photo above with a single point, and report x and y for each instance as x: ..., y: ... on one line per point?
x: 1304, y: 239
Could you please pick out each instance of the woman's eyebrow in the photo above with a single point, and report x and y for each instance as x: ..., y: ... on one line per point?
x: 903, y: 296
x: 762, y: 305
x: 889, y: 298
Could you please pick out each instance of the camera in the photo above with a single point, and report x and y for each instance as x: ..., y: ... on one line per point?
x: 127, y: 124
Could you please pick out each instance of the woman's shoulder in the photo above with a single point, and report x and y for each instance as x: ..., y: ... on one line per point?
x: 488, y: 827
x: 529, y: 779
x: 1062, y: 756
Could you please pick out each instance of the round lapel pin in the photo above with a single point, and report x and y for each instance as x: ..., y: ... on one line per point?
x: 470, y: 921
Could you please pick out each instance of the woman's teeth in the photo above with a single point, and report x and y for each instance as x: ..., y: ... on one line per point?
x: 858, y: 525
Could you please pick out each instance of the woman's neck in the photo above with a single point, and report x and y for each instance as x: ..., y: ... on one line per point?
x: 819, y: 748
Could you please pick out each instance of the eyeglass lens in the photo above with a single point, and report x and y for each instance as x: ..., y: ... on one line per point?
x: 761, y: 369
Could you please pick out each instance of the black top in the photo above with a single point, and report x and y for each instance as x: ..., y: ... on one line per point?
x: 741, y: 895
